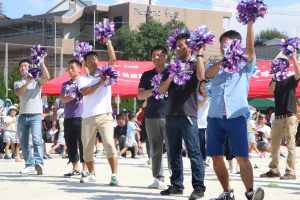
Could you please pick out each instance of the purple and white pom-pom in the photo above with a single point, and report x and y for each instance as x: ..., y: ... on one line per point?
x: 107, y: 72
x: 155, y: 82
x: 33, y: 73
x: 171, y: 41
x: 234, y: 56
x: 38, y: 54
x: 289, y: 46
x: 81, y: 49
x: 72, y: 90
x: 104, y: 30
x: 201, y: 36
x: 279, y: 70
x: 250, y: 10
x: 180, y: 72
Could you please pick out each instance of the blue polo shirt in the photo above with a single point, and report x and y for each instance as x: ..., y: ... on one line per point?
x: 230, y: 92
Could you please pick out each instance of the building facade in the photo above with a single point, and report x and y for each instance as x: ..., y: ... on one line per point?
x: 71, y: 21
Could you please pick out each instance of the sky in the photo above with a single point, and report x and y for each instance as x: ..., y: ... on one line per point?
x: 283, y: 14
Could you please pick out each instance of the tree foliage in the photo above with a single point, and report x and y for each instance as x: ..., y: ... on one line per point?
x: 13, y: 76
x: 2, y: 87
x: 269, y: 34
x: 136, y: 44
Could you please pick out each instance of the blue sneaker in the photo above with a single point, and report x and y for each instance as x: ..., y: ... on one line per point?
x: 114, y: 180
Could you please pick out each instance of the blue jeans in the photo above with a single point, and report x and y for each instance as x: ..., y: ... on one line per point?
x: 122, y: 141
x: 31, y: 123
x: 202, y: 140
x: 178, y: 128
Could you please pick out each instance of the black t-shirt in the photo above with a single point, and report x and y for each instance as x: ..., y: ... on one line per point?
x: 119, y: 131
x: 183, y: 99
x: 285, y: 99
x: 155, y: 108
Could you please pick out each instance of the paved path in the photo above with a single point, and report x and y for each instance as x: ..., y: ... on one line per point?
x: 134, y: 177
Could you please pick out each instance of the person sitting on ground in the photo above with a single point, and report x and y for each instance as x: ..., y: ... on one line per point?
x: 132, y: 129
x: 10, y: 132
x: 263, y: 134
x: 251, y: 137
x: 61, y: 139
x: 120, y: 132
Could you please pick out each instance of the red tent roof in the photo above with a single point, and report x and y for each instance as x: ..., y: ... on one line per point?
x: 130, y: 73
x: 127, y: 86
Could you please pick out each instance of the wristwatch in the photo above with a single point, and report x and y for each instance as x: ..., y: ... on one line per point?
x: 199, y: 55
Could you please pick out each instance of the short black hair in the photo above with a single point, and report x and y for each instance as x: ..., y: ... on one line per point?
x: 131, y: 115
x: 120, y: 117
x: 232, y: 34
x: 159, y: 47
x: 25, y: 60
x: 185, y: 35
x: 90, y: 53
x: 76, y: 62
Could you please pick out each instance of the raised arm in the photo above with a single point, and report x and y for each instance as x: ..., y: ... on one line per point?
x: 45, y: 73
x: 111, y: 52
x: 296, y: 66
x: 213, y: 70
x: 250, y: 52
x: 200, y: 64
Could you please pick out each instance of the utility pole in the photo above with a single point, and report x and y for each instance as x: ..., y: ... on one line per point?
x: 1, y: 8
x: 148, y: 16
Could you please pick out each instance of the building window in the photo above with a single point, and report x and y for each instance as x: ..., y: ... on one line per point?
x: 118, y: 22
x: 72, y: 1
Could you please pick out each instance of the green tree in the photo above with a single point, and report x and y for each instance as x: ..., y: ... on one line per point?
x: 269, y: 34
x: 126, y: 42
x: 13, y: 76
x: 136, y: 45
x: 2, y: 87
x: 128, y: 104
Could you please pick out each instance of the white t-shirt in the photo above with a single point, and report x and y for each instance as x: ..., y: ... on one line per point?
x: 30, y: 100
x: 202, y: 113
x: 266, y: 130
x: 12, y: 127
x: 97, y: 103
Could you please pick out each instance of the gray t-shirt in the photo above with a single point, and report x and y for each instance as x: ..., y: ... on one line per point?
x: 30, y: 100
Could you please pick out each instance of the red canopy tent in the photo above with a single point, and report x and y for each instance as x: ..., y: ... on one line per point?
x: 259, y: 83
x: 130, y: 73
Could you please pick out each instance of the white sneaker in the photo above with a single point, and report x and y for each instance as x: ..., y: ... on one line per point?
x: 27, y: 170
x: 88, y: 179
x: 157, y: 185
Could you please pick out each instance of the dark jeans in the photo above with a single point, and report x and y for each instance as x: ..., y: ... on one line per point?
x: 202, y: 141
x: 72, y: 129
x: 178, y: 128
x: 1, y: 144
x: 122, y: 140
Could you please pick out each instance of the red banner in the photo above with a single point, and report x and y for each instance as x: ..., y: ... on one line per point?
x: 130, y: 73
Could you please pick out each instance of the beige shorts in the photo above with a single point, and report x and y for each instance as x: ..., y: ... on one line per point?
x: 90, y: 126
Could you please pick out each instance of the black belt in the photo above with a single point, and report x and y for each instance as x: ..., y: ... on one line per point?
x: 284, y: 116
